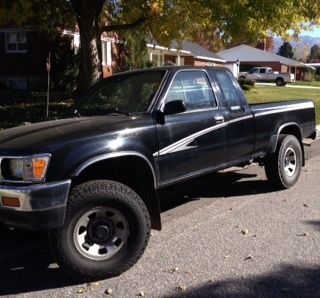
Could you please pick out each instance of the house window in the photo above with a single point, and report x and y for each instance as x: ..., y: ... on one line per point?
x: 16, y: 42
x: 157, y: 58
x: 106, y: 53
x: 17, y: 83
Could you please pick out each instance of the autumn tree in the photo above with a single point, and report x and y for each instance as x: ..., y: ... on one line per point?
x: 286, y: 50
x: 218, y: 21
x: 314, y: 54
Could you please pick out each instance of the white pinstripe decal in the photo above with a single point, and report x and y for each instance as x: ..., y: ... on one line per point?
x: 183, y: 144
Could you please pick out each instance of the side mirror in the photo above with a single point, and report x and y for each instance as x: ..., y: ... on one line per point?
x: 174, y: 107
x: 158, y: 116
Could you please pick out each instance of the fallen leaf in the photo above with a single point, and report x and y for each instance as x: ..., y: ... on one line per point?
x: 305, y: 205
x: 80, y: 291
x: 303, y: 234
x: 173, y: 270
x: 142, y: 294
x: 245, y: 231
x: 249, y: 257
x: 108, y: 291
x: 182, y: 288
x: 96, y: 284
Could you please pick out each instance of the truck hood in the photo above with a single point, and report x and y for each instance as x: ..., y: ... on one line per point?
x: 33, y: 138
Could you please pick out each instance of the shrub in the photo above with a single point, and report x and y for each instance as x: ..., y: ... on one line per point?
x: 246, y: 87
x: 246, y: 84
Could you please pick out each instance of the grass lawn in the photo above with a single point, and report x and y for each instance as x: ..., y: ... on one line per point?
x: 261, y: 94
x: 313, y: 83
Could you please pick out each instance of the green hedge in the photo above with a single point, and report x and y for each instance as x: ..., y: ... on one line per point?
x: 246, y: 84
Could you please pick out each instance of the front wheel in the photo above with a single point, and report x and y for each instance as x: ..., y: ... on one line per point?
x: 106, y: 230
x: 283, y: 167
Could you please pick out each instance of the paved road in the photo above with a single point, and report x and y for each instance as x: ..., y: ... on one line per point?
x: 241, y: 239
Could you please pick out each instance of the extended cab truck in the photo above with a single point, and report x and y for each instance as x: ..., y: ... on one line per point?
x: 92, y: 180
x: 266, y: 74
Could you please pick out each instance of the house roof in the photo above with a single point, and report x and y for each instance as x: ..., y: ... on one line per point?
x: 250, y: 54
x: 189, y: 48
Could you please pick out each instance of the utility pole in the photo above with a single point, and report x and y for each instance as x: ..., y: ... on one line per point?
x: 48, y: 89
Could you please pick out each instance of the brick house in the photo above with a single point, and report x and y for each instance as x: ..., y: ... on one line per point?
x: 23, y: 54
x: 184, y: 53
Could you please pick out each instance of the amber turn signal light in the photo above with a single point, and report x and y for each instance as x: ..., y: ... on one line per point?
x: 10, y: 202
x: 39, y: 167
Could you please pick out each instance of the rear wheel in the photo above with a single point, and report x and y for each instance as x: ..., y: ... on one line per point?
x: 283, y: 167
x: 106, y: 230
x: 280, y: 82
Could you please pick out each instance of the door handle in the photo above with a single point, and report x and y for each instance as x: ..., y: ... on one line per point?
x: 219, y: 119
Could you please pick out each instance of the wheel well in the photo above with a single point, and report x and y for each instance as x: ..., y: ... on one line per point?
x: 279, y: 79
x: 133, y: 171
x: 295, y: 131
x: 291, y: 130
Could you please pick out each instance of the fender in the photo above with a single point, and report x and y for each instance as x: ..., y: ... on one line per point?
x: 98, y: 158
x: 274, y: 146
x: 152, y: 204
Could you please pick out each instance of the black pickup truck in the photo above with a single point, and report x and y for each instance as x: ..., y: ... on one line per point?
x: 92, y: 180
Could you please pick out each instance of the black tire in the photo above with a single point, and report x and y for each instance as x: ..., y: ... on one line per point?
x: 283, y: 167
x: 280, y: 82
x: 107, y: 202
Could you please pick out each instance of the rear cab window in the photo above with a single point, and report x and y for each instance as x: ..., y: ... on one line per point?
x: 227, y: 86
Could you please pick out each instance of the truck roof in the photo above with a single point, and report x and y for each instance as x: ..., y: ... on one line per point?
x: 172, y: 68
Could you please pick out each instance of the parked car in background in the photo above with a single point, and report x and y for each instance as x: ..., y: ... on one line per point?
x: 266, y: 74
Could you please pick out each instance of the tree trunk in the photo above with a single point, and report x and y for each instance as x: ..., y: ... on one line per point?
x: 90, y: 71
x: 88, y: 13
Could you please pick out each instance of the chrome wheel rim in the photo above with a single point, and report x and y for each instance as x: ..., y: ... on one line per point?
x: 100, y: 233
x: 290, y: 162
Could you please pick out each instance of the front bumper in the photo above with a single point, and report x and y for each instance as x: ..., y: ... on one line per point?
x: 42, y: 206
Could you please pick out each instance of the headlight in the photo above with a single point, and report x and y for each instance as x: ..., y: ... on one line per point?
x: 26, y: 169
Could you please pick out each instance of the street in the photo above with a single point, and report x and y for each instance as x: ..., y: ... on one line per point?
x: 224, y: 235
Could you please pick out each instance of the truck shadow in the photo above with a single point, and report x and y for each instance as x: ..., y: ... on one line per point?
x: 287, y: 281
x: 25, y: 261
x: 230, y: 184
x: 25, y: 264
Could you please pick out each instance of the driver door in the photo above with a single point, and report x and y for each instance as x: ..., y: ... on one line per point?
x: 194, y: 141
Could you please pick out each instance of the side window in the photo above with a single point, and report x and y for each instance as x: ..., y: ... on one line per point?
x: 193, y: 88
x: 228, y: 89
x: 253, y: 70
x: 262, y: 70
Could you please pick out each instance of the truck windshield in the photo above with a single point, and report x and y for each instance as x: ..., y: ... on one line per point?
x: 122, y: 94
